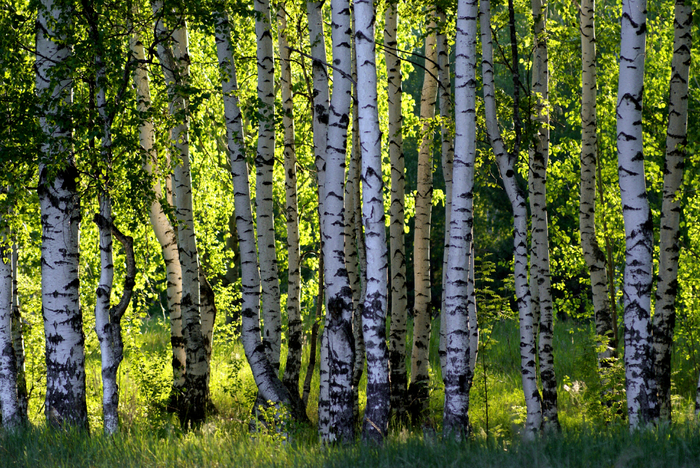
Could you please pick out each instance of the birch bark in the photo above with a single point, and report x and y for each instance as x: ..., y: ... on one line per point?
x: 9, y: 400
x: 59, y: 200
x: 676, y: 139
x: 457, y: 375
x: 506, y: 167
x: 420, y: 363
x: 397, y: 250
x: 641, y: 388
x: 18, y: 340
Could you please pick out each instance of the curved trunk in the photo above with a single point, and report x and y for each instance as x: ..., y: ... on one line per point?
x: 639, y: 239
x: 593, y: 255
x: 458, y: 374
x: 676, y: 140
x: 420, y: 363
x: 264, y: 162
x: 506, y: 167
x: 162, y: 227
x: 539, y: 156
x: 59, y: 200
x: 399, y: 302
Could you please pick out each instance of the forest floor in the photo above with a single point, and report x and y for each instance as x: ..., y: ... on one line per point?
x: 594, y: 434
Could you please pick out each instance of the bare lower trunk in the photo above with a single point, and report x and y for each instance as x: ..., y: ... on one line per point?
x: 9, y: 401
x: 676, y: 140
x: 506, y: 167
x: 420, y: 363
x: 18, y: 340
x: 641, y: 387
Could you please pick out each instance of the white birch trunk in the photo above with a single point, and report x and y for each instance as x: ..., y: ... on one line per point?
x: 9, y: 400
x: 420, y: 363
x: 376, y: 422
x: 539, y: 156
x: 397, y: 250
x: 447, y: 146
x: 264, y: 162
x: 593, y: 255
x: 457, y: 375
x: 506, y: 168
x: 641, y: 388
x: 59, y: 199
x: 676, y: 140
x: 160, y: 223
x: 270, y: 388
x: 294, y: 324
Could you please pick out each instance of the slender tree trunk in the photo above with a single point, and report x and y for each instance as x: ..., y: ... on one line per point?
x: 9, y: 400
x: 175, y: 64
x: 506, y: 167
x: 60, y: 214
x: 539, y: 156
x: 641, y: 388
x: 270, y: 388
x: 676, y: 139
x: 593, y: 255
x: 376, y: 422
x: 18, y: 340
x: 162, y: 227
x: 314, y: 342
x: 458, y: 375
x: 420, y: 363
x: 399, y: 302
x: 294, y: 324
x: 447, y: 134
x: 209, y: 312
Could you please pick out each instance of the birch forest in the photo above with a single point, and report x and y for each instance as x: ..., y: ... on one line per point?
x: 348, y: 223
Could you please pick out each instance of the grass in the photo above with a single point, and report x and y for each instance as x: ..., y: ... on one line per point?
x: 592, y: 435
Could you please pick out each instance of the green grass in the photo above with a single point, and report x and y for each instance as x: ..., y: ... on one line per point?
x: 593, y: 434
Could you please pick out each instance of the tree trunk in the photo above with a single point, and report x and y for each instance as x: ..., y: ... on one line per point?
x: 458, y: 375
x: 420, y: 363
x: 399, y: 302
x: 376, y: 422
x: 593, y: 255
x: 539, y: 156
x: 641, y: 388
x: 676, y: 139
x: 506, y: 167
x: 18, y: 340
x: 270, y: 388
x: 162, y: 227
x: 9, y: 400
x: 59, y: 200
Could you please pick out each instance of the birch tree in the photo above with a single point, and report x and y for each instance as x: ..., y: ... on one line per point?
x: 397, y: 250
x: 592, y: 253
x: 59, y: 200
x: 540, y: 272
x: 669, y: 232
x: 294, y: 324
x: 9, y: 399
x: 457, y: 374
x: 640, y: 384
x: 420, y: 364
x: 18, y: 340
x: 506, y: 168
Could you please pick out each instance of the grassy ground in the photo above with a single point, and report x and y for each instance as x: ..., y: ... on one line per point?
x: 593, y: 434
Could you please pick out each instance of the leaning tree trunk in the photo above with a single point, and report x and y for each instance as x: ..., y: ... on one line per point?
x: 447, y: 146
x: 175, y: 64
x: 506, y: 167
x: 162, y: 227
x: 294, y: 324
x: 592, y: 253
x: 639, y: 238
x: 676, y: 140
x: 9, y: 400
x: 420, y: 363
x: 457, y: 375
x: 376, y: 422
x: 18, y: 340
x: 264, y: 162
x: 59, y: 200
x: 397, y: 253
x: 338, y: 330
x: 270, y: 388
x: 539, y: 156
